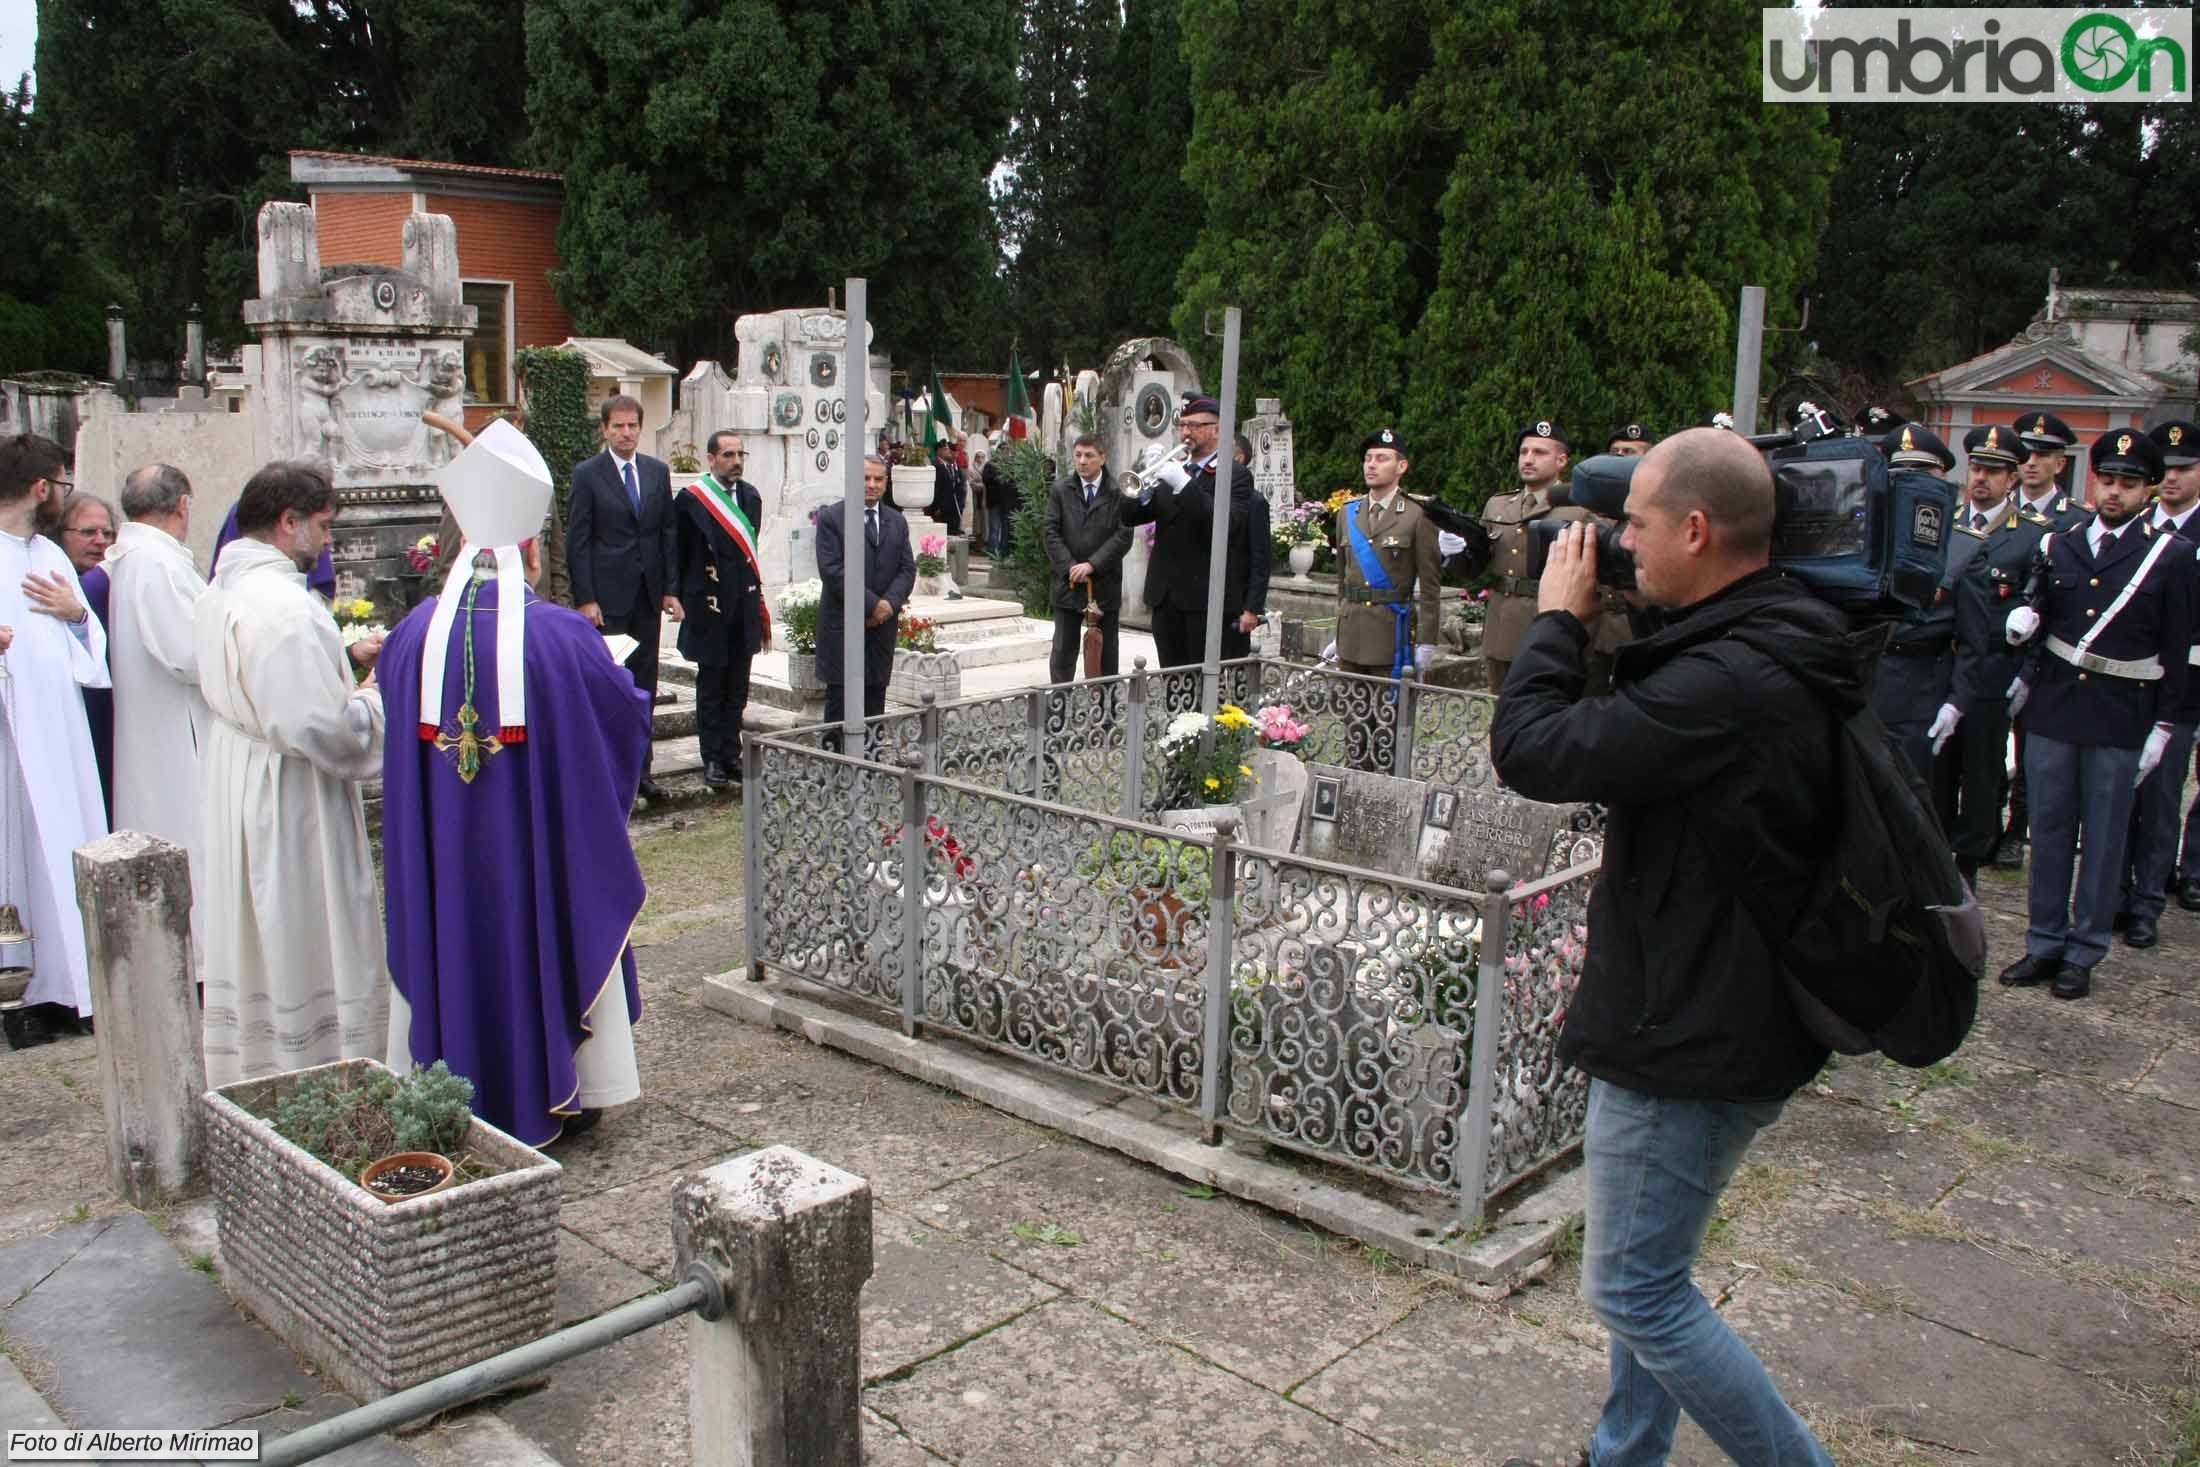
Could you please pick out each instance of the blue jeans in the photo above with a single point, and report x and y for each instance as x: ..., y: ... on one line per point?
x: 1656, y: 1168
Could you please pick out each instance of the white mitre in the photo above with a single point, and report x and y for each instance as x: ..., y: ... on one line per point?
x: 498, y: 490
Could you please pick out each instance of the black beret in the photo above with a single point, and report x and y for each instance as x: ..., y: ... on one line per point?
x: 1205, y: 405
x: 1543, y: 428
x: 1385, y: 438
x: 1631, y: 433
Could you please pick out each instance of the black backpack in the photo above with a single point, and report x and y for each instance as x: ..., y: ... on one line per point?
x: 1889, y: 945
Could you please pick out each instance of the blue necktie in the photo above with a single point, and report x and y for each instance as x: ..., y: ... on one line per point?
x: 633, y: 491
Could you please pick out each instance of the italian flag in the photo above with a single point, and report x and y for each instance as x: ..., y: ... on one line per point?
x: 937, y: 420
x: 1022, y: 422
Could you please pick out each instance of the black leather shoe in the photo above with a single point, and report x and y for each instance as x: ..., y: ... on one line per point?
x: 2072, y: 981
x: 2141, y: 933
x: 651, y: 790
x: 714, y: 775
x: 580, y: 1125
x: 2188, y: 895
x: 2120, y: 922
x: 2009, y: 855
x: 2028, y: 970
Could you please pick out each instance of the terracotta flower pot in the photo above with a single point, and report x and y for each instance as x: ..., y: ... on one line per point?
x: 371, y: 1177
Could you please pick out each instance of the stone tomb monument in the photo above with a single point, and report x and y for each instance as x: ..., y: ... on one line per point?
x: 1275, y: 472
x: 349, y: 358
x: 1439, y: 832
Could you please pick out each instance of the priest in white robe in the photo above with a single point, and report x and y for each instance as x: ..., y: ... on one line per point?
x: 293, y: 935
x: 160, y: 717
x: 52, y: 648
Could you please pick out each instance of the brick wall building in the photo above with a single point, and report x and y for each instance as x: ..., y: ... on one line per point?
x: 507, y: 222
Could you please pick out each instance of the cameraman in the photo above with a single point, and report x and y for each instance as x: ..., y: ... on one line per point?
x: 1714, y: 759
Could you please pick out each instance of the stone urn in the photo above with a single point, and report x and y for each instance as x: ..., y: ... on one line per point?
x: 1302, y: 562
x: 802, y: 675
x: 912, y: 487
x: 918, y: 673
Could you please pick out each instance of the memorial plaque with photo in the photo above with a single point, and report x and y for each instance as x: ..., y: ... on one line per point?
x: 1440, y: 833
x: 1355, y: 818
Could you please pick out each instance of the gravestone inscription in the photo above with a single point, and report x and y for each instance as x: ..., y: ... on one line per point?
x: 1439, y: 832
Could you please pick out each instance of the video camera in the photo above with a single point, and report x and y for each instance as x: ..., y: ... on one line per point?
x: 1854, y: 531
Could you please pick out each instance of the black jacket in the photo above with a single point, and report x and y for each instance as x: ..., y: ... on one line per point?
x: 1176, y: 573
x: 721, y: 601
x: 1075, y: 534
x: 1715, y: 763
x: 613, y: 559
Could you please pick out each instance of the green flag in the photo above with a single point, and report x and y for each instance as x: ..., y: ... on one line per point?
x: 1021, y: 419
x: 937, y: 428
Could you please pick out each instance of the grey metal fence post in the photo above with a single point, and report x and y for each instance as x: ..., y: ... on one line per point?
x: 752, y: 855
x: 1035, y: 741
x: 1401, y: 741
x: 1214, y: 1086
x: 916, y: 866
x: 135, y: 894
x: 775, y: 1381
x: 1471, y: 1150
x: 928, y: 731
x: 1134, y: 744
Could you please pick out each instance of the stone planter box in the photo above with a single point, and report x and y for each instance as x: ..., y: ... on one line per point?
x: 918, y: 673
x: 381, y: 1296
x: 802, y: 675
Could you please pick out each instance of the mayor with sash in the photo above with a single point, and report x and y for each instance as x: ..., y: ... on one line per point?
x: 1388, y: 569
x: 721, y: 588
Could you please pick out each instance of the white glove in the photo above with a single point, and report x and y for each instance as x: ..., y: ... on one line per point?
x: 1329, y: 653
x: 2020, y: 692
x: 2150, y: 757
x: 1423, y: 656
x: 1944, y: 725
x: 2023, y: 622
x: 1449, y: 544
x: 1173, y: 475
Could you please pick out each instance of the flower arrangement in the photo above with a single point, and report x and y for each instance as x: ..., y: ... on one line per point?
x: 683, y: 459
x: 917, y: 634
x: 1277, y: 727
x: 941, y: 847
x: 1200, y: 772
x: 1474, y: 606
x: 932, y: 555
x: 798, y: 614
x: 1338, y: 500
x: 910, y: 454
x: 353, y: 612
x: 1303, y: 524
x: 422, y: 555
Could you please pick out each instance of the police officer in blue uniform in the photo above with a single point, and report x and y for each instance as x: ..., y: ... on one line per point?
x: 1973, y: 771
x: 2108, y: 626
x: 1914, y: 692
x: 2039, y: 492
x: 2153, y: 850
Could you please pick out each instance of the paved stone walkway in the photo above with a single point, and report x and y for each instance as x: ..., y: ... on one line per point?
x: 1994, y: 1261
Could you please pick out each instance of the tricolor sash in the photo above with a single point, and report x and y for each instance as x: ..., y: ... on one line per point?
x: 725, y: 508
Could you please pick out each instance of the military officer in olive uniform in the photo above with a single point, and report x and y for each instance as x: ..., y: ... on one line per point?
x: 1973, y: 771
x: 2039, y: 493
x: 1542, y: 452
x: 1630, y: 440
x: 1915, y: 691
x: 2108, y: 627
x: 1388, y: 585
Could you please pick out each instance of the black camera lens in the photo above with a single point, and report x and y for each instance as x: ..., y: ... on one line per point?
x: 1615, y: 566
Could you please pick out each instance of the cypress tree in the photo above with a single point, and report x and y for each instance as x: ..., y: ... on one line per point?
x: 1153, y: 217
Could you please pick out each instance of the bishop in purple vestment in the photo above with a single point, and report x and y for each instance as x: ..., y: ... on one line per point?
x: 511, y: 887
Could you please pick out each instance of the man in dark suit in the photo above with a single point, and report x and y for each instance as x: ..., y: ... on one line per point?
x: 1086, y: 541
x: 621, y: 544
x: 889, y: 574
x: 948, y: 488
x: 1180, y: 506
x: 722, y: 597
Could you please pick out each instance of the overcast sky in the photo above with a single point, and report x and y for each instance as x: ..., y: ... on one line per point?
x: 18, y: 29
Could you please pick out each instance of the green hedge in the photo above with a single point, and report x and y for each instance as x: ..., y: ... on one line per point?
x: 554, y: 389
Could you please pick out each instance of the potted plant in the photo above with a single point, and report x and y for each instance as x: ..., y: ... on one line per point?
x: 1280, y: 775
x: 797, y: 622
x: 931, y: 563
x: 1301, y: 533
x: 909, y: 470
x: 381, y: 1294
x: 920, y: 666
x: 1204, y: 768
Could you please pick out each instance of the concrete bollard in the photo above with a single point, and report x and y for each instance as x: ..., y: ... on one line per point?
x: 776, y: 1380
x: 135, y: 894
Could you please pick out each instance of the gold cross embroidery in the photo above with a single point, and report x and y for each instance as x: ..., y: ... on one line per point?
x: 472, y: 750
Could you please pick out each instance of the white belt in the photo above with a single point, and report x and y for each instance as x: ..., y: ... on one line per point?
x: 2144, y: 669
x: 2193, y: 657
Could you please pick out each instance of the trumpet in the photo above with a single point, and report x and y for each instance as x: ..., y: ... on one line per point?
x: 1138, y: 481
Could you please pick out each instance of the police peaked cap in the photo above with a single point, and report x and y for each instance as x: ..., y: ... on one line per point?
x: 2179, y: 442
x: 2127, y: 451
x: 1385, y: 438
x: 1631, y: 433
x: 2045, y: 430
x: 1542, y: 428
x: 1996, y: 444
x: 1915, y: 446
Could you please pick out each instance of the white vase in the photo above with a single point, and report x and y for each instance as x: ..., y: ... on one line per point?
x: 1302, y: 561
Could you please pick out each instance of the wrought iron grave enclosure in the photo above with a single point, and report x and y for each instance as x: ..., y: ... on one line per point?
x: 1325, y: 1009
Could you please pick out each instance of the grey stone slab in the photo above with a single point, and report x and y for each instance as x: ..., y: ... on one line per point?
x: 2104, y: 1129
x: 2175, y: 1076
x: 137, y: 1339
x: 479, y: 1438
x: 1870, y: 1153
x: 1922, y: 1379
x: 884, y: 1445
x: 1067, y: 1382
x: 632, y: 1225
x: 21, y: 1407
x: 1867, y: 1079
x: 624, y: 1404
x: 928, y: 1290
x: 644, y: 1139
x: 2070, y: 1212
x: 378, y: 1451
x: 2176, y: 1010
x: 591, y: 1280
x: 25, y: 1263
x: 2002, y: 1295
x: 2070, y: 1039
x: 1229, y: 1281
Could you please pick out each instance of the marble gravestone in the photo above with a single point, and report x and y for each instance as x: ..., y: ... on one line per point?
x: 1275, y: 475
x: 1438, y: 832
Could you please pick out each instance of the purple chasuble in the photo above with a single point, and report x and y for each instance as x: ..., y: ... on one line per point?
x: 99, y: 703
x: 509, y: 900
x: 321, y: 578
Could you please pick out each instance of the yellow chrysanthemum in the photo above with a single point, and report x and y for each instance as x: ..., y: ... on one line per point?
x: 1246, y: 769
x: 1233, y: 716
x: 1213, y: 783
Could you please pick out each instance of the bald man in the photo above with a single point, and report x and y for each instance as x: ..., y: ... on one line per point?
x: 1713, y: 755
